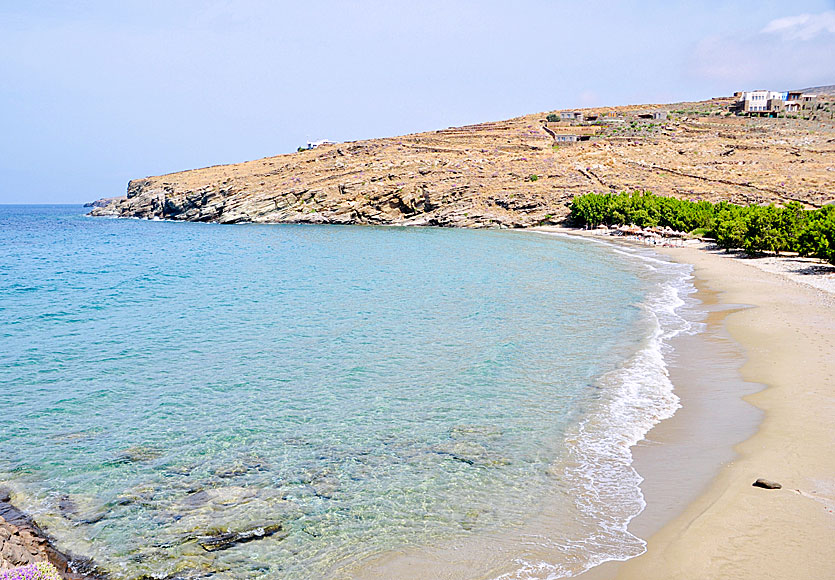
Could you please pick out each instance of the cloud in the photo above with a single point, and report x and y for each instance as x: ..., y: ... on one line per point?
x: 803, y: 26
x: 787, y: 53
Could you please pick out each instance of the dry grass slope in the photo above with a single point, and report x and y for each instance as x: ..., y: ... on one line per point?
x: 481, y: 175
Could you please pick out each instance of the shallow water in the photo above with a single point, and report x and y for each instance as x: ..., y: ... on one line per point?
x: 365, y: 389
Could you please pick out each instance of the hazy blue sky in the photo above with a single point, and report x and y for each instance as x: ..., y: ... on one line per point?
x: 94, y: 93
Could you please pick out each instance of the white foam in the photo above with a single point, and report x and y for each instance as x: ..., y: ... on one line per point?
x: 637, y: 396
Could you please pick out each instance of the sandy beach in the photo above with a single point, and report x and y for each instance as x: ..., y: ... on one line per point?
x: 733, y: 529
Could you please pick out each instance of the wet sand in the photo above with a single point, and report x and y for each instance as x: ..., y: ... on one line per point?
x: 732, y: 529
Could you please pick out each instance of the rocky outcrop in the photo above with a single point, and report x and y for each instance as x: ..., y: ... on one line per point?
x: 505, y: 174
x: 105, y: 201
x: 226, y: 539
x: 22, y: 542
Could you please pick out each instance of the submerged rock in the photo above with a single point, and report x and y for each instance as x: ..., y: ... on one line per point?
x: 144, y: 494
x: 324, y: 482
x: 67, y: 506
x: 471, y: 454
x: 217, y: 498
x: 222, y: 540
x: 81, y: 509
x: 218, y: 518
x: 137, y: 454
x: 470, y: 520
x: 476, y: 431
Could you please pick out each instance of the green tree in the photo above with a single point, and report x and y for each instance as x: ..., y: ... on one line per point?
x: 818, y: 236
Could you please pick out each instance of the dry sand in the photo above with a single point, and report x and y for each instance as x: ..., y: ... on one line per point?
x: 735, y: 530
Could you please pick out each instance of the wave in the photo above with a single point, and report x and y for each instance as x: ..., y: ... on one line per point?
x: 635, y: 397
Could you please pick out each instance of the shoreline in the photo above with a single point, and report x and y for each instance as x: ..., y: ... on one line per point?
x: 786, y: 333
x: 23, y: 542
x: 682, y: 274
x: 681, y: 455
x: 735, y: 530
x: 716, y: 525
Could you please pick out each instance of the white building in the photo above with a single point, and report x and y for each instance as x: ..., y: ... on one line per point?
x: 753, y: 101
x: 315, y: 144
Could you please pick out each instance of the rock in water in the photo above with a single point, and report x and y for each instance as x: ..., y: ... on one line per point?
x: 766, y: 484
x: 136, y: 454
x: 225, y: 540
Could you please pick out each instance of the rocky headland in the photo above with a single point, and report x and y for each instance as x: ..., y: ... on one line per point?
x: 515, y: 173
x: 23, y: 542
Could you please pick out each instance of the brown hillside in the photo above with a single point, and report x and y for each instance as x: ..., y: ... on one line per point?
x: 509, y: 173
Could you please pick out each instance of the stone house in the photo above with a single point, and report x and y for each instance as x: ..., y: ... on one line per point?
x: 658, y: 115
x: 798, y: 102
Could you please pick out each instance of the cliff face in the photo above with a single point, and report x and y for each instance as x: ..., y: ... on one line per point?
x: 512, y: 173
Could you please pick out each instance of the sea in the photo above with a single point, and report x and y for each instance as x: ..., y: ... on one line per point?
x: 190, y: 400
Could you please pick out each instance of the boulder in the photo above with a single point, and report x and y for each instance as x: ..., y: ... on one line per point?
x: 15, y: 552
x: 766, y: 484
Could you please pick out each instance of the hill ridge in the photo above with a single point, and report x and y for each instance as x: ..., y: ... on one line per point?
x: 515, y: 172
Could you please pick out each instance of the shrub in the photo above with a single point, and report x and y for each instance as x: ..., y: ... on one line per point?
x: 817, y: 239
x: 533, y: 177
x: 39, y: 571
x: 552, y: 118
x: 753, y: 228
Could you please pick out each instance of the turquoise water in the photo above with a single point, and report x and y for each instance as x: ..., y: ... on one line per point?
x: 365, y: 389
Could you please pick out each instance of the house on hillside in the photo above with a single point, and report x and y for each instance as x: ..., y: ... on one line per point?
x: 571, y: 115
x: 658, y: 115
x: 566, y: 138
x: 764, y: 103
x: 564, y: 135
x: 315, y: 144
x: 575, y: 134
x: 759, y: 102
x: 799, y: 102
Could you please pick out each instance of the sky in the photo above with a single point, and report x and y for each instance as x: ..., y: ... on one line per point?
x: 95, y: 93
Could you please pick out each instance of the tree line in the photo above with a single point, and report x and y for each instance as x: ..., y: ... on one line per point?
x: 753, y: 228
